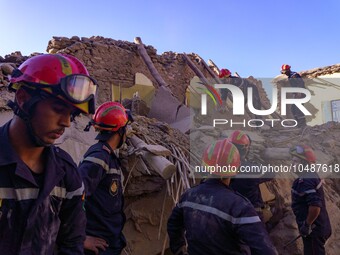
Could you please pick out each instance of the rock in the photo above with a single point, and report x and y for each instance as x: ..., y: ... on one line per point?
x: 6, y: 68
x: 75, y: 38
x: 329, y: 143
x: 276, y: 154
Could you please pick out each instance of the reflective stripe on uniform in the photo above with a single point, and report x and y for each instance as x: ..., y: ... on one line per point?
x: 62, y: 193
x: 19, y: 194
x: 304, y: 193
x: 309, y: 191
x: 319, y: 185
x: 220, y: 214
x: 32, y: 193
x: 105, y: 167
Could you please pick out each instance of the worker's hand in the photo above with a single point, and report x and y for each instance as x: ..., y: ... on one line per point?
x: 305, y: 229
x: 95, y: 244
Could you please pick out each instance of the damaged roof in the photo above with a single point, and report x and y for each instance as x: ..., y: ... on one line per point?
x: 316, y: 72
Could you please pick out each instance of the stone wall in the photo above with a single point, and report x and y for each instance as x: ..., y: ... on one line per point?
x: 116, y: 62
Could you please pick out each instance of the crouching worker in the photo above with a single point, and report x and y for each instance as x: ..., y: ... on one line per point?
x: 103, y: 179
x: 212, y: 218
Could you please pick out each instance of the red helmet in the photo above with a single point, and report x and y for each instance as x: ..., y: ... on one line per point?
x: 111, y: 116
x: 304, y: 152
x: 58, y: 74
x: 224, y: 73
x: 285, y: 68
x: 222, y: 153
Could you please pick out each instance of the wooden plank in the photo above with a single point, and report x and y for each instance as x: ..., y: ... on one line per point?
x: 211, y: 72
x: 147, y: 60
x: 195, y: 69
x: 214, y: 66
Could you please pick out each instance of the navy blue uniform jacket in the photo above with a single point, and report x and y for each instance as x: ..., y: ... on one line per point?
x: 33, y: 219
x: 217, y: 221
x: 103, y: 179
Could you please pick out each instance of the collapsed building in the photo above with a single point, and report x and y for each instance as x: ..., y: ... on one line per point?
x: 157, y: 157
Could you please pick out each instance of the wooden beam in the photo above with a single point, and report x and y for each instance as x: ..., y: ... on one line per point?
x: 200, y: 74
x: 214, y: 66
x: 195, y: 69
x: 211, y: 72
x: 147, y: 60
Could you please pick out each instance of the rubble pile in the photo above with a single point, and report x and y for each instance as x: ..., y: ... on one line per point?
x: 316, y: 72
x: 161, y: 140
x: 116, y: 62
x: 7, y: 65
x: 323, y: 139
x: 149, y: 197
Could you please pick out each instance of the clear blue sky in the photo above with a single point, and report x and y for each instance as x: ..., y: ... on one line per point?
x: 250, y: 37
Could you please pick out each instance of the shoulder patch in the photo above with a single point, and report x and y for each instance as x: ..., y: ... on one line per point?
x: 114, y: 187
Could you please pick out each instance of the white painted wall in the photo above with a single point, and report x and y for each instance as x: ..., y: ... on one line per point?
x: 323, y: 94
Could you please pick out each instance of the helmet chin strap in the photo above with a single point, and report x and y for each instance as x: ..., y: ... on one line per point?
x: 121, y: 133
x: 26, y: 117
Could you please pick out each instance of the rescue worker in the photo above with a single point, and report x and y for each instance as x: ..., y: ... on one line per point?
x: 103, y: 179
x: 243, y: 84
x: 41, y: 191
x: 248, y: 187
x: 214, y: 219
x: 296, y: 81
x: 224, y: 74
x: 308, y: 202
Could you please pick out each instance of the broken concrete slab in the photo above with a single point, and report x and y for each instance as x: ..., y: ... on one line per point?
x: 165, y: 107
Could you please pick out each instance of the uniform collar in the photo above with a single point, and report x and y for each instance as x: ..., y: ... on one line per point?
x: 105, y: 146
x: 9, y: 157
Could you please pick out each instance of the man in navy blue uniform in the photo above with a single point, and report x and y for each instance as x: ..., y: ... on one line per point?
x: 103, y: 179
x: 243, y: 84
x: 308, y: 203
x: 41, y: 205
x: 212, y: 218
x: 296, y: 81
x: 247, y: 184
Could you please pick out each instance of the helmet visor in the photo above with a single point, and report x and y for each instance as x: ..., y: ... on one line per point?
x: 79, y: 88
